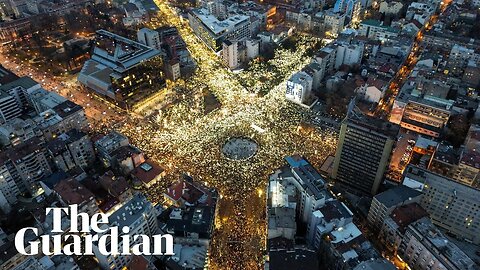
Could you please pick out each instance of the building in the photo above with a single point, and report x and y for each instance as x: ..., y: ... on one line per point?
x: 150, y: 38
x: 109, y: 143
x: 230, y: 54
x: 333, y: 21
x: 116, y: 186
x: 348, y: 54
x: 8, y: 189
x: 141, y: 217
x: 299, y: 87
x: 325, y: 57
x: 42, y: 100
x: 16, y: 131
x: 395, y: 225
x: 345, y: 248
x: 147, y: 174
x: 383, y: 204
x: 468, y: 170
x: 374, y: 29
x: 423, y: 113
x: 363, y: 153
x: 9, y: 107
x: 121, y: 69
x: 193, y: 224
x: 61, y: 119
x: 125, y: 159
x: 214, y: 31
x: 70, y: 192
x: 298, y: 186
x: 378, y: 264
x: 26, y: 164
x: 391, y: 7
x: 20, y: 89
x: 425, y: 247
x: 372, y: 90
x: 334, y: 214
x: 451, y: 205
x: 72, y: 149
x: 281, y: 223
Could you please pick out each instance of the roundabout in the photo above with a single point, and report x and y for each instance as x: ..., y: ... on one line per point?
x: 239, y: 148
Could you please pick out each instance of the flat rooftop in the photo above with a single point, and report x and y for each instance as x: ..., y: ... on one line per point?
x: 214, y: 24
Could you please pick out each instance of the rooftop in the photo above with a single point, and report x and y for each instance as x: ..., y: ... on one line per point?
x: 379, y: 264
x: 24, y: 82
x: 281, y: 217
x: 114, y: 185
x: 298, y: 258
x: 406, y: 214
x: 73, y: 192
x: 397, y: 195
x: 147, y: 171
x: 433, y: 239
x: 215, y: 25
x: 120, y: 53
x: 197, y: 219
x: 335, y: 210
x: 377, y: 23
x: 130, y: 212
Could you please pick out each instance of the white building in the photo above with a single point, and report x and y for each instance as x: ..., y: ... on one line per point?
x: 374, y: 29
x: 9, y: 108
x: 8, y: 189
x: 348, y: 54
x: 149, y: 37
x: 333, y: 21
x: 214, y: 31
x: 253, y: 48
x: 16, y: 131
x: 141, y: 217
x: 334, y: 214
x: 326, y: 59
x: 230, y: 53
x: 299, y: 87
x: 390, y: 7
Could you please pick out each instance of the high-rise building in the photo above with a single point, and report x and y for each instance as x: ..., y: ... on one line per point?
x: 334, y: 22
x: 108, y: 144
x: 451, y: 205
x: 363, y: 152
x: 299, y: 87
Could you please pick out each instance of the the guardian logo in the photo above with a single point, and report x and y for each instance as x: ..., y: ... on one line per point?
x: 80, y: 239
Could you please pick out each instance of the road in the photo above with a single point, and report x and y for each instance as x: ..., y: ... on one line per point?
x: 386, y: 103
x: 97, y: 110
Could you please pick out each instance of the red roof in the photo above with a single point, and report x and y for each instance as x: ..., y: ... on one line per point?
x: 186, y: 190
x: 407, y: 214
x: 147, y: 172
x: 72, y: 192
